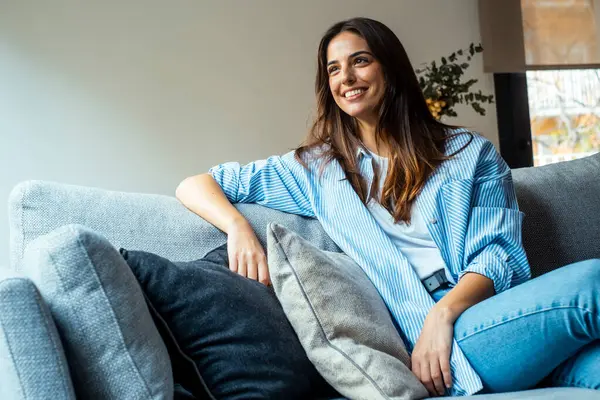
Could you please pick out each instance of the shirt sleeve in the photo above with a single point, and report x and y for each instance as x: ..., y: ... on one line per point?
x: 493, y: 245
x: 277, y: 182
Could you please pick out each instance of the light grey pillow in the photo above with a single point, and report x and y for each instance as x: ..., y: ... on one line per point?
x: 112, y: 346
x: 342, y: 322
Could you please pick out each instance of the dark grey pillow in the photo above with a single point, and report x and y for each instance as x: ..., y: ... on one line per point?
x: 233, y: 330
x: 561, y: 203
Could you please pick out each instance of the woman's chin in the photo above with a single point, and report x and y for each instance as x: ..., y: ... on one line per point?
x: 360, y: 114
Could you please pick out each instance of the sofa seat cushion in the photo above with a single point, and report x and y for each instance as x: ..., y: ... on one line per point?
x: 537, y: 394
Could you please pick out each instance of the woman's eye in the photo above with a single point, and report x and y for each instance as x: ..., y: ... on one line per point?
x: 361, y: 60
x: 332, y: 70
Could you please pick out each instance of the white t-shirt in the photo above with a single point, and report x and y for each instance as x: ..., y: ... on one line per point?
x: 414, y: 240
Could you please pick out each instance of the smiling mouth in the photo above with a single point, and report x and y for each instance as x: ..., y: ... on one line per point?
x: 353, y: 94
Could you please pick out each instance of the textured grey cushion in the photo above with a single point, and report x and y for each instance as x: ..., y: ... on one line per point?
x: 343, y: 325
x: 154, y: 223
x: 32, y: 360
x: 561, y: 203
x: 111, y: 343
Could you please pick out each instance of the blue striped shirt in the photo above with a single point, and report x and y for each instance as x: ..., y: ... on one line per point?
x: 469, y: 204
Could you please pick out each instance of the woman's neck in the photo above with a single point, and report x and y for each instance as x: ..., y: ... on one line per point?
x: 367, y: 134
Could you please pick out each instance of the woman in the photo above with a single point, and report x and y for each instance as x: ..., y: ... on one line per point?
x: 430, y: 213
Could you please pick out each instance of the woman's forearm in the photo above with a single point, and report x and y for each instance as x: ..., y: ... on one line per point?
x: 203, y: 196
x: 470, y: 290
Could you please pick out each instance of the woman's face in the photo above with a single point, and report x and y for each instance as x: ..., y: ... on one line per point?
x: 355, y: 77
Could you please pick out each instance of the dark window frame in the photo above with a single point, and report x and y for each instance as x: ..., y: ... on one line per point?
x: 514, y: 126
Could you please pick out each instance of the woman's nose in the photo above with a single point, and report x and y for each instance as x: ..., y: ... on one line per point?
x: 348, y: 77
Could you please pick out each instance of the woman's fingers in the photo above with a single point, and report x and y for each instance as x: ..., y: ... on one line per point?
x: 252, y: 269
x: 252, y: 266
x: 263, y: 272
x: 446, y: 371
x: 246, y: 255
x: 436, y: 376
x: 426, y: 378
x: 242, y: 265
x: 233, y: 262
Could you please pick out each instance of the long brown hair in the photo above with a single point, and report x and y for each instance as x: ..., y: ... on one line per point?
x: 415, y: 138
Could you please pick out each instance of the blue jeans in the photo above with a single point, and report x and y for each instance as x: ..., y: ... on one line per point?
x: 546, y: 328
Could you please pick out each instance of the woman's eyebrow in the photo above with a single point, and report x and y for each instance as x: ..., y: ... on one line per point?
x: 351, y: 56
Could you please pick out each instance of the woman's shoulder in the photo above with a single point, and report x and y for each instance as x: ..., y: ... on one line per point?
x: 309, y: 157
x: 463, y: 139
x: 469, y: 151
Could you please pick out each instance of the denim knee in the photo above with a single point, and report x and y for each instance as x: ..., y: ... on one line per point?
x: 588, y: 270
x: 584, y: 275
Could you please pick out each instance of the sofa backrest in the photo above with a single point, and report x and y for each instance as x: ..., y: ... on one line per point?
x: 155, y: 223
x: 561, y: 203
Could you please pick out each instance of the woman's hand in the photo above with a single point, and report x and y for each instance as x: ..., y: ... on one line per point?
x: 431, y: 355
x: 246, y: 255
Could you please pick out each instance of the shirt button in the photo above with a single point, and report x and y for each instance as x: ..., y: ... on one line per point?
x: 433, y: 221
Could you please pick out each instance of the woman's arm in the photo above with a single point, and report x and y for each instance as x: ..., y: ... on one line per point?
x: 202, y: 195
x: 274, y: 182
x: 494, y: 260
x: 431, y: 355
x: 278, y: 182
x: 492, y: 241
x: 470, y: 290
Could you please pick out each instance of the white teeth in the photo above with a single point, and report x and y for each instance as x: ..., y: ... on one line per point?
x: 354, y: 92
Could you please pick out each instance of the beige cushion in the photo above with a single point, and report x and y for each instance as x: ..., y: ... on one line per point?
x: 342, y: 322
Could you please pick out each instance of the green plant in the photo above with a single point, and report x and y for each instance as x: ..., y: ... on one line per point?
x: 443, y: 86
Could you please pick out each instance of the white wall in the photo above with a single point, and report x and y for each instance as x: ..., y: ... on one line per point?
x: 136, y: 95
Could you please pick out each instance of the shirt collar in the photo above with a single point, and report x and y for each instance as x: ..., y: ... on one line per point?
x: 360, y: 152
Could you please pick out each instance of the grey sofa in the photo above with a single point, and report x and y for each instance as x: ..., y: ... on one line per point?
x: 562, y: 225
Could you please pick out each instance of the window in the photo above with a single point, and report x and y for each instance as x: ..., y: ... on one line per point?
x: 545, y: 56
x: 564, y: 109
x: 564, y: 105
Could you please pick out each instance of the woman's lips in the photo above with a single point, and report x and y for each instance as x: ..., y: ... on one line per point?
x: 354, y: 94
